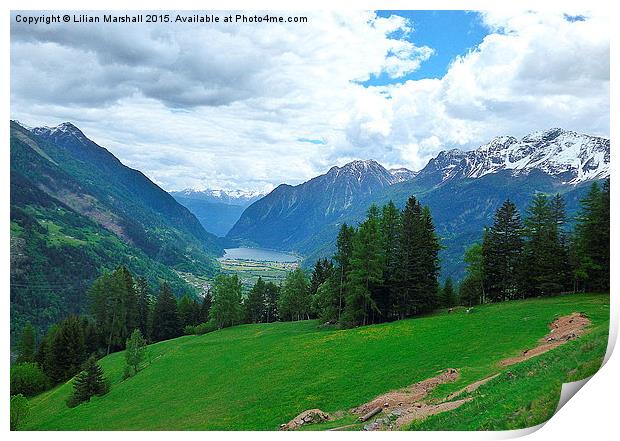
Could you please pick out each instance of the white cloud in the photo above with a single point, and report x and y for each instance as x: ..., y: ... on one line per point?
x: 230, y: 106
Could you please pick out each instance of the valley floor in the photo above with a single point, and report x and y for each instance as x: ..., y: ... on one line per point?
x: 256, y: 377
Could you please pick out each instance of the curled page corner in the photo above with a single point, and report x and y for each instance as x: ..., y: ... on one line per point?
x: 569, y: 390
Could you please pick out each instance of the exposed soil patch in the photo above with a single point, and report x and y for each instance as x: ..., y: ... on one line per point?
x: 394, y: 409
x: 311, y: 416
x: 408, y: 396
x: 562, y: 330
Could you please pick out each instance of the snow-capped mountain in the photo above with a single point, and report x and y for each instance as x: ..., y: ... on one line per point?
x: 569, y: 156
x: 402, y: 174
x: 230, y: 197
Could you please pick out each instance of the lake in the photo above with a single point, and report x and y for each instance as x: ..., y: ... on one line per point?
x: 259, y: 254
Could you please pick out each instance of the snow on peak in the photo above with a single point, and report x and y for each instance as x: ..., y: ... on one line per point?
x: 571, y: 156
x: 402, y: 174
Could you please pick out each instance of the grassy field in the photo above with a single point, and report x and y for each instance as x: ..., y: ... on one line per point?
x: 255, y: 377
x: 250, y: 270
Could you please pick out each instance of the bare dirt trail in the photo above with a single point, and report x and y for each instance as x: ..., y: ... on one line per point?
x: 563, y: 330
x: 397, y: 408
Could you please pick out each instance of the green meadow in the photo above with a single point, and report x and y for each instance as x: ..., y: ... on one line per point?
x: 255, y: 377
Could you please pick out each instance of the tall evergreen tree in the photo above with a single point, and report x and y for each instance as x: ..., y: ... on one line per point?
x: 186, y: 311
x: 255, y: 302
x: 366, y: 274
x: 166, y: 323
x: 501, y: 253
x: 391, y: 229
x: 592, y: 239
x: 322, y: 270
x: 295, y: 302
x: 144, y: 302
x: 544, y: 256
x: 205, y: 306
x: 66, y: 351
x: 226, y: 309
x: 90, y: 382
x: 272, y: 294
x: 344, y: 251
x: 448, y: 294
x: 26, y: 347
x: 114, y: 306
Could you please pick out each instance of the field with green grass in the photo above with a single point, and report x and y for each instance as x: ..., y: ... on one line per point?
x: 250, y: 270
x: 255, y: 377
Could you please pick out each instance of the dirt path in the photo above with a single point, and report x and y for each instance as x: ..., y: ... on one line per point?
x: 562, y: 330
x: 397, y: 408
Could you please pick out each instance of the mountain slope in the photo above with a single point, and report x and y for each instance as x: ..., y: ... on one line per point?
x: 77, y: 211
x: 217, y: 210
x: 291, y: 214
x: 256, y: 377
x: 463, y: 190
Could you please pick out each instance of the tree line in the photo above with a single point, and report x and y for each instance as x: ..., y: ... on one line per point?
x: 538, y: 255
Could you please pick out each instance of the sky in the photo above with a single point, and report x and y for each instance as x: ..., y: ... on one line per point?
x: 250, y: 106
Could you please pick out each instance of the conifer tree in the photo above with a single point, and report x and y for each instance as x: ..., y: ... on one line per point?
x: 166, y: 323
x: 592, y: 241
x: 366, y: 274
x: 144, y: 301
x: 205, y: 306
x: 544, y: 255
x: 27, y: 345
x: 448, y: 294
x: 90, y: 382
x: 344, y: 251
x: 501, y: 253
x: 272, y: 293
x: 255, y: 302
x: 66, y: 352
x: 295, y: 302
x: 226, y: 309
x: 391, y: 229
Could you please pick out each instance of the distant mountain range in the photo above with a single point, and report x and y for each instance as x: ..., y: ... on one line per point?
x: 463, y: 190
x: 76, y: 211
x: 217, y: 210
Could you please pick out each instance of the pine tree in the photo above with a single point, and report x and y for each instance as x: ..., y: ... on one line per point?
x: 501, y: 253
x: 185, y: 309
x: 544, y: 255
x: 90, y: 382
x: 295, y: 302
x: 226, y: 309
x: 66, y: 351
x: 366, y: 274
x: 322, y: 270
x: 114, y: 305
x: 144, y: 302
x: 391, y: 229
x: 166, y: 324
x: 592, y: 239
x: 272, y: 294
x: 255, y: 302
x: 205, y: 306
x: 448, y: 295
x: 344, y: 245
x: 27, y: 345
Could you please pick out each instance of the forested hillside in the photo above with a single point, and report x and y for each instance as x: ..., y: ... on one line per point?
x: 76, y: 212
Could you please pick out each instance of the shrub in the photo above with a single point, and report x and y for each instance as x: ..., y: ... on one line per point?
x: 20, y: 408
x: 28, y: 379
x: 189, y: 330
x: 205, y: 328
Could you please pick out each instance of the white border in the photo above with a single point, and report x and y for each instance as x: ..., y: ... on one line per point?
x: 593, y: 415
